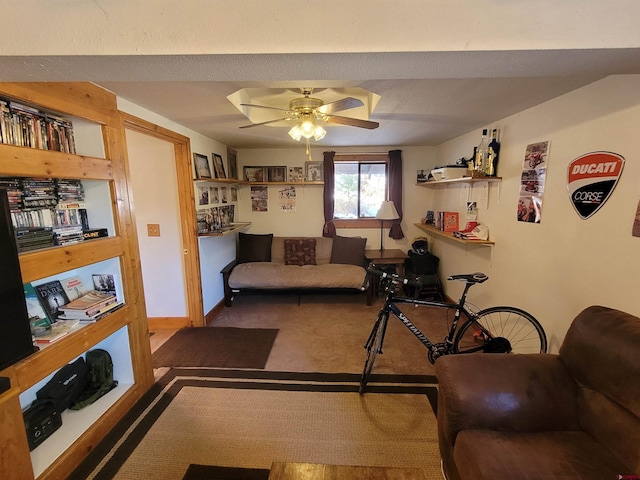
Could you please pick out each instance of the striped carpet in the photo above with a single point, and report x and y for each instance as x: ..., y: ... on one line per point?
x: 248, y: 419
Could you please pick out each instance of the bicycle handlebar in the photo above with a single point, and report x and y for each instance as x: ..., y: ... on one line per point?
x: 394, y: 278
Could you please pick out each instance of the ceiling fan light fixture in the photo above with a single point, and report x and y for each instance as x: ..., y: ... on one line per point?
x: 307, y: 129
x: 296, y: 133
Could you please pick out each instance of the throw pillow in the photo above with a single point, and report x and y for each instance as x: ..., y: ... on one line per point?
x: 300, y: 251
x: 349, y: 250
x: 254, y: 248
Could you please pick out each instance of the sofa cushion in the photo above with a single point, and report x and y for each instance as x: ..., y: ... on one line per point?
x: 301, y: 251
x: 348, y: 250
x: 570, y: 455
x: 323, y: 249
x: 254, y: 248
x: 269, y: 275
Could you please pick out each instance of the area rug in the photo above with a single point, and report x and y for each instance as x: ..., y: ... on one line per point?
x: 248, y: 419
x: 217, y: 347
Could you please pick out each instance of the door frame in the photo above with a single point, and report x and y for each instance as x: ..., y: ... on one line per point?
x: 188, y: 223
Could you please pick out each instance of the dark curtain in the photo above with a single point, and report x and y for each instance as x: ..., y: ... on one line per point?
x: 329, y: 229
x: 395, y: 191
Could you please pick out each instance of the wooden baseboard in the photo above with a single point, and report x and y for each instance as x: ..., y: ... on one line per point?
x: 213, y: 313
x: 168, y: 322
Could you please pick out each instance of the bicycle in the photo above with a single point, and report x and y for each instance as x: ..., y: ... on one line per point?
x: 500, y: 329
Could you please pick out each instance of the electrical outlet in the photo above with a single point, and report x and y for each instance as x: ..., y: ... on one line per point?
x: 153, y: 229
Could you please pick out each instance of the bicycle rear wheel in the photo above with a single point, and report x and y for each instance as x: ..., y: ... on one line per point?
x: 501, y: 330
x: 373, y: 346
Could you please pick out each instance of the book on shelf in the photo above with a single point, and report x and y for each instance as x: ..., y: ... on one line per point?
x: 92, y: 233
x: 89, y: 301
x: 38, y: 319
x: 52, y: 298
x: 74, y: 287
x: 450, y: 221
x: 95, y: 315
x: 59, y: 330
x: 104, y: 282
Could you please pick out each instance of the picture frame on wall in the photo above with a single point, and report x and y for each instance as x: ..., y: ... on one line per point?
x: 218, y: 166
x: 314, y: 171
x: 232, y: 162
x: 255, y: 174
x: 296, y: 174
x: 276, y: 174
x: 201, y: 162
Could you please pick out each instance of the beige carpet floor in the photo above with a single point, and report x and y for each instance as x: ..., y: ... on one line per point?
x: 327, y: 333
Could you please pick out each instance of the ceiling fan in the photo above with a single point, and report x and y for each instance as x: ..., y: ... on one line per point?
x: 306, y: 110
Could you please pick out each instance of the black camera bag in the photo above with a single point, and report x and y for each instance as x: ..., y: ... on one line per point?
x: 65, y: 386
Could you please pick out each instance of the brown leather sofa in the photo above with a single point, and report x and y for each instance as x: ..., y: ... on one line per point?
x: 575, y: 415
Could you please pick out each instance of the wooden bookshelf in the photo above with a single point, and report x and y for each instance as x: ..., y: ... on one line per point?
x: 124, y: 333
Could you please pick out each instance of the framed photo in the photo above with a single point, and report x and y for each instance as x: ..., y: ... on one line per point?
x: 232, y: 162
x: 255, y: 174
x: 296, y: 174
x: 218, y: 166
x: 276, y: 174
x: 203, y: 170
x: 213, y: 196
x: 203, y: 197
x: 314, y: 171
x: 234, y: 194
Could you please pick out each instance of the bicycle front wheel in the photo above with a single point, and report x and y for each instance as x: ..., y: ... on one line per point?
x: 501, y: 330
x: 373, y: 346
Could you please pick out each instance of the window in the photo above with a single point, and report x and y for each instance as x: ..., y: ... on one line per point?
x: 360, y: 185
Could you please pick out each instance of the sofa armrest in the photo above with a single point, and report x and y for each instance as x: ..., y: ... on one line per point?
x: 505, y: 393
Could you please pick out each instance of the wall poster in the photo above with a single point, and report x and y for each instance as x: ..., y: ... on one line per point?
x: 532, y: 181
x: 288, y: 200
x: 259, y: 198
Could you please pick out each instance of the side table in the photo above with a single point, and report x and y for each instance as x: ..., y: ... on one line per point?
x: 393, y: 257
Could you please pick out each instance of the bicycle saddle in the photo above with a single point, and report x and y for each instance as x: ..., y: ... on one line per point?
x: 477, y: 277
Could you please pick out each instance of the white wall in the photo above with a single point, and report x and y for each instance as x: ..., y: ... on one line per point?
x: 558, y: 267
x: 308, y: 219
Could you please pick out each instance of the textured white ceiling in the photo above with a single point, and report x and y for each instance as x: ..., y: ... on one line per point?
x: 442, y: 68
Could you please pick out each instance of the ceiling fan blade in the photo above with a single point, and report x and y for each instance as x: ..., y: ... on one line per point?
x: 353, y: 122
x: 263, y: 106
x: 267, y: 122
x: 338, y: 105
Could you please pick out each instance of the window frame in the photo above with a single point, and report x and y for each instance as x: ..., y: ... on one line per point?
x: 362, y: 158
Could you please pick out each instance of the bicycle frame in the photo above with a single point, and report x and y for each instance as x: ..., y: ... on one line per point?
x: 390, y: 307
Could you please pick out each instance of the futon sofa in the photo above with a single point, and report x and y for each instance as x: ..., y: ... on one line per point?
x: 572, y: 416
x: 268, y: 263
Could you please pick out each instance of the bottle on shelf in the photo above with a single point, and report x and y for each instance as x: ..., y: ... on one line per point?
x: 493, y: 154
x: 480, y: 164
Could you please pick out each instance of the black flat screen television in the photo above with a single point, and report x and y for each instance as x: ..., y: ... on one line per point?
x: 15, y: 332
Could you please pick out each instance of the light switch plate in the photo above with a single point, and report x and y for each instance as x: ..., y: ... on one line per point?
x: 153, y: 229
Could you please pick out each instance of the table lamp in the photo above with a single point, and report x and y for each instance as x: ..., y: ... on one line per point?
x: 387, y: 211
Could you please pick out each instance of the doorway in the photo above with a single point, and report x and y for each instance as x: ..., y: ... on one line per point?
x: 159, y: 163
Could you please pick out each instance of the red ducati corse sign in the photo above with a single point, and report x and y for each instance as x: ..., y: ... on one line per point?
x: 590, y: 180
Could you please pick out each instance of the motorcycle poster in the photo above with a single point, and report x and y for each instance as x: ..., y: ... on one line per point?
x: 532, y: 182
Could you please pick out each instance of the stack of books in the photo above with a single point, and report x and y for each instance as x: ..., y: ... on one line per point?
x: 90, y: 307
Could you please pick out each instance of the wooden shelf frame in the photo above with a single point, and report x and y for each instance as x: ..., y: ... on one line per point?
x: 90, y: 103
x: 449, y: 236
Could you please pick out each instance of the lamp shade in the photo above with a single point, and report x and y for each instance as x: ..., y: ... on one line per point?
x: 387, y: 211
